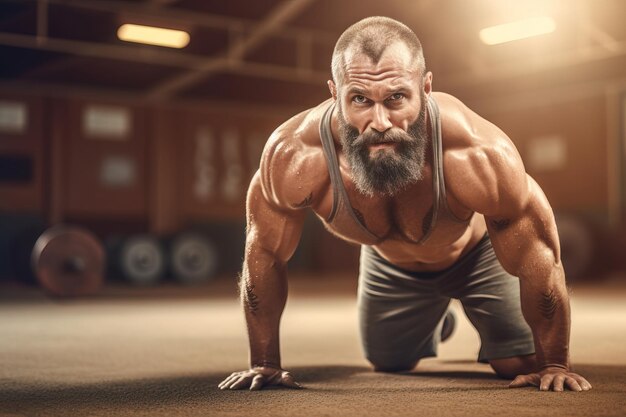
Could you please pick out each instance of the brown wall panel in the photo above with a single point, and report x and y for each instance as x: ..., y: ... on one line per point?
x: 163, y: 170
x: 58, y: 137
x: 31, y: 144
x: 88, y: 191
x: 216, y: 161
x: 581, y: 183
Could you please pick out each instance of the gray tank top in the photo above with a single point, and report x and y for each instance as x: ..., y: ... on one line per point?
x: 342, y: 211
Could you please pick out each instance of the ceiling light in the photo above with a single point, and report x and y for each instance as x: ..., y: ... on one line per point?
x: 520, y: 29
x: 153, y: 35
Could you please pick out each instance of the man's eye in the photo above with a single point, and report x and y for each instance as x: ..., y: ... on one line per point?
x: 359, y: 99
x: 396, y: 96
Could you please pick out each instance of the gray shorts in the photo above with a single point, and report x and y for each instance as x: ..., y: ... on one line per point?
x: 401, y: 312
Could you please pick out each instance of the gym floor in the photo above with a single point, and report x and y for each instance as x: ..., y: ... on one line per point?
x: 162, y: 351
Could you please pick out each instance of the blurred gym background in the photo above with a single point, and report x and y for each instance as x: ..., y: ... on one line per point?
x: 143, y: 152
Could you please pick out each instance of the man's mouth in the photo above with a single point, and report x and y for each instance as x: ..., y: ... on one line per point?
x: 382, y: 146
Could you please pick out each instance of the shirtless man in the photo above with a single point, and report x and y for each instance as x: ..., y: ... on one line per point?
x: 440, y: 202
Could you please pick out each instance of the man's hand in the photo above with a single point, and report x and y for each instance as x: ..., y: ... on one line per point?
x: 552, y: 377
x: 258, y: 377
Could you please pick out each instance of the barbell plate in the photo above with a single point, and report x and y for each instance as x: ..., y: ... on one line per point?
x: 68, y: 261
x: 142, y: 260
x: 193, y: 259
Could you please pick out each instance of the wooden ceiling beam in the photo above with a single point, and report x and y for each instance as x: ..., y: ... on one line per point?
x: 236, y: 51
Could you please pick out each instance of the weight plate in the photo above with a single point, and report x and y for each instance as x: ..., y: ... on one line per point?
x: 193, y: 259
x: 142, y: 260
x: 68, y: 261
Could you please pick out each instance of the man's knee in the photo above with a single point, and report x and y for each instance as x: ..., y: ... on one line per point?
x: 509, y: 368
x: 393, y: 366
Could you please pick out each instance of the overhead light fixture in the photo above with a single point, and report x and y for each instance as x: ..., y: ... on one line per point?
x: 153, y: 35
x: 520, y: 29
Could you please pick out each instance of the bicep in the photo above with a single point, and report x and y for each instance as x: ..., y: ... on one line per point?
x: 271, y: 228
x: 486, y: 174
x: 525, y: 239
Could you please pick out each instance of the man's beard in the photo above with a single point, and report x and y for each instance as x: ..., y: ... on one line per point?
x: 385, y: 172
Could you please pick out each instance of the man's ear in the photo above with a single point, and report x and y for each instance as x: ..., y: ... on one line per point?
x: 428, y: 83
x: 333, y: 89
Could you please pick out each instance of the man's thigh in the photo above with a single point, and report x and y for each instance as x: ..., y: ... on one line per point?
x: 491, y: 299
x: 400, y: 316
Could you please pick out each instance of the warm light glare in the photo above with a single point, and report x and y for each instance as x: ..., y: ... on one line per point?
x: 517, y: 30
x: 153, y: 36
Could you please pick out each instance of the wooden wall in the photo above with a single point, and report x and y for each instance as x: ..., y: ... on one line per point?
x: 28, y: 145
x: 121, y: 168
x: 168, y: 166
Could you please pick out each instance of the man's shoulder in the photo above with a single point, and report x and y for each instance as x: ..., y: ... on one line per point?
x: 469, y: 138
x: 482, y: 165
x: 462, y: 128
x: 293, y: 165
x: 295, y: 142
x: 301, y: 129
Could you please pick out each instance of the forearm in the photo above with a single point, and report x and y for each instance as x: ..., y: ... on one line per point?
x: 263, y: 290
x: 527, y: 244
x: 545, y: 305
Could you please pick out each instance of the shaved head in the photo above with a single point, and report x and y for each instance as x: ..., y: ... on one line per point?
x: 371, y: 37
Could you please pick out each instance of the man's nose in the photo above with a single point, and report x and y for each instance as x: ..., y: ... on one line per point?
x: 380, y: 118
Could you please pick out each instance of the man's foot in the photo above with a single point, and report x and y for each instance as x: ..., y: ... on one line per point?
x: 449, y: 323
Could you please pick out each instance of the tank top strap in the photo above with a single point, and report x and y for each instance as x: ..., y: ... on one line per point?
x: 326, y: 136
x: 437, y: 140
x: 433, y: 112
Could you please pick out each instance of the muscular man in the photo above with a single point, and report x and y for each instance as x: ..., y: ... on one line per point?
x: 440, y: 202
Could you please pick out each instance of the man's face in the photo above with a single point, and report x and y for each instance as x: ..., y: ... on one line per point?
x: 382, y: 120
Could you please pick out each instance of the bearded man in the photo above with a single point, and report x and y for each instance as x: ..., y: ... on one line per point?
x: 441, y: 205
